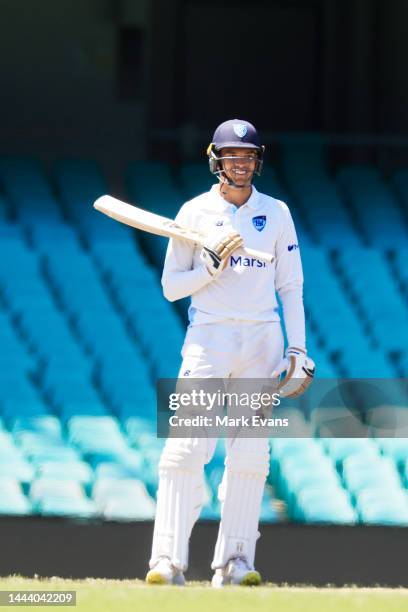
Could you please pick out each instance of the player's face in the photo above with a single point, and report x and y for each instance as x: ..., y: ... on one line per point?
x: 239, y: 164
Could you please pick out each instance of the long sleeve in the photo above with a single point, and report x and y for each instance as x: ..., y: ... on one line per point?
x: 180, y: 279
x: 289, y: 282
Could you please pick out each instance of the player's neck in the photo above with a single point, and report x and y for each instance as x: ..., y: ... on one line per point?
x: 233, y: 195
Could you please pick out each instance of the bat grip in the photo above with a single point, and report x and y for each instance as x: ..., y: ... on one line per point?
x: 258, y: 254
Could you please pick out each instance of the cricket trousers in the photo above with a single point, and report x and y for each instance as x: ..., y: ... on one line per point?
x: 226, y: 350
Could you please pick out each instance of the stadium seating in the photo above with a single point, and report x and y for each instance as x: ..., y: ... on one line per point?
x: 374, y: 206
x: 317, y: 196
x: 12, y: 498
x: 85, y: 332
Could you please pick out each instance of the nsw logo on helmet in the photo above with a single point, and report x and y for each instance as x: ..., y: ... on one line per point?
x: 240, y: 130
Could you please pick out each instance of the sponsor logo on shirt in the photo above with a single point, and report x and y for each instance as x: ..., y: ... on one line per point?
x: 246, y: 262
x: 259, y: 222
x: 293, y: 247
x: 187, y: 373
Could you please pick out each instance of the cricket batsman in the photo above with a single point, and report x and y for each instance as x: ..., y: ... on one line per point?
x: 234, y: 332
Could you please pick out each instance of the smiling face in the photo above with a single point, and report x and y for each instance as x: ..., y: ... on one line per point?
x: 239, y: 164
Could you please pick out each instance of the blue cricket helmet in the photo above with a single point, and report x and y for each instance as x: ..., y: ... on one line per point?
x: 234, y: 133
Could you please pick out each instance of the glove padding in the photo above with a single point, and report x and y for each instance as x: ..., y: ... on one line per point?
x: 217, y: 248
x: 299, y: 369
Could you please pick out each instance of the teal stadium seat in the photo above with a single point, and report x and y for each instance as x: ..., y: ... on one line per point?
x: 121, y: 471
x: 384, y: 512
x: 12, y: 499
x: 78, y: 471
x: 17, y: 468
x: 270, y: 184
x: 327, y: 302
x: 134, y: 426
x: 327, y: 367
x: 26, y: 186
x: 125, y: 499
x: 49, y: 425
x: 317, y: 196
x: 78, y: 508
x: 339, y: 449
x: 152, y: 186
x: 297, y: 473
x: 396, y: 448
x: 43, y: 454
x: 324, y: 504
x: 360, y: 472
x: 195, y: 179
x: 400, y: 257
x: 26, y: 402
x: 387, y: 318
x: 80, y: 183
x: 43, y: 488
x: 374, y: 206
x: 97, y: 438
x: 330, y: 511
x: 380, y: 493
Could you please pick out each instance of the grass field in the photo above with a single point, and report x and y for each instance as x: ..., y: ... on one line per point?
x: 134, y: 596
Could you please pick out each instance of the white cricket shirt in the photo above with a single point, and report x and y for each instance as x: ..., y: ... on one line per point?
x: 245, y: 290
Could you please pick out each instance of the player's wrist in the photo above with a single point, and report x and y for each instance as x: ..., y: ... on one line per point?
x: 293, y: 350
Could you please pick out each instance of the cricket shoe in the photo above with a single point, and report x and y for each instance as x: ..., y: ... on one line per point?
x: 237, y: 571
x: 165, y: 573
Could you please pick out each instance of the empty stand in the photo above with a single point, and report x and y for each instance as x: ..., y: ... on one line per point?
x: 85, y: 332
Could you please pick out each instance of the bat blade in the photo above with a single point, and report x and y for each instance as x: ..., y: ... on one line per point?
x: 156, y: 224
x: 145, y: 220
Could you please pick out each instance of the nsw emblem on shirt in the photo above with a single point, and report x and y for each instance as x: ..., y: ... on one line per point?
x: 259, y: 222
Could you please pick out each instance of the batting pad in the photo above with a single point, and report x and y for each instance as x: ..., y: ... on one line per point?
x: 240, y: 494
x: 179, y: 499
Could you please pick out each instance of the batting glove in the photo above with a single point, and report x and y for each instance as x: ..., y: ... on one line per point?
x: 217, y: 248
x: 299, y: 369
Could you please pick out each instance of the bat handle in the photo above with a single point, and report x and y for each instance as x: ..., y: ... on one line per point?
x: 258, y: 254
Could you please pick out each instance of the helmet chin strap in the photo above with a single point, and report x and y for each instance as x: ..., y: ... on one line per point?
x: 223, y: 178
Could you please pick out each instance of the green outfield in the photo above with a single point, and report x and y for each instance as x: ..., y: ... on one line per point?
x: 134, y: 596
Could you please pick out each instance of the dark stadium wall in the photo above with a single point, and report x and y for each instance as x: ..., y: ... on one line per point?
x: 392, y: 67
x: 99, y: 77
x: 226, y: 58
x: 286, y: 553
x: 327, y: 65
x: 61, y: 89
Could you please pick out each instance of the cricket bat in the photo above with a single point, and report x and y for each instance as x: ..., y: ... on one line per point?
x: 161, y: 226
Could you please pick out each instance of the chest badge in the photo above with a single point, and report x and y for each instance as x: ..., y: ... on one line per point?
x: 259, y: 222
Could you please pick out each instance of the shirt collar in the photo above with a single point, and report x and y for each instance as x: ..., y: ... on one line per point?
x: 253, y: 202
